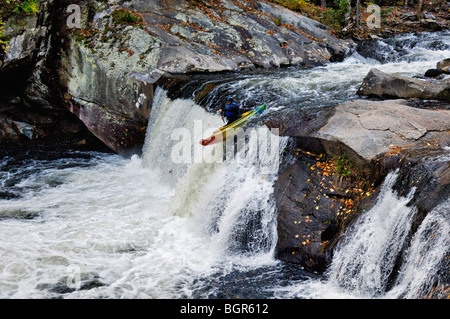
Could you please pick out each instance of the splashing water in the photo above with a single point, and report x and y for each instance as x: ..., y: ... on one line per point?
x: 150, y: 227
x: 366, y: 256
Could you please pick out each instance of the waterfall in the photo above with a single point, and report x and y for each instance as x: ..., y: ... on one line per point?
x: 231, y: 197
x: 187, y: 221
x: 366, y: 255
x: 429, y: 250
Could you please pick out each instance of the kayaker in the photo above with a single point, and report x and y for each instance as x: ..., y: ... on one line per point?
x: 230, y: 111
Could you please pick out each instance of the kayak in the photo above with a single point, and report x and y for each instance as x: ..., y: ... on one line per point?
x: 221, y: 133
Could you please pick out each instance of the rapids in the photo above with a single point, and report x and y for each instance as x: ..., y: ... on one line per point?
x: 95, y: 225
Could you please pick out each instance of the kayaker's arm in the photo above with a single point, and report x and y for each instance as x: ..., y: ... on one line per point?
x: 220, y: 111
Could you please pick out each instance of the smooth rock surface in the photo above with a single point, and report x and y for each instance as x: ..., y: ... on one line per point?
x: 383, y: 85
x: 371, y: 127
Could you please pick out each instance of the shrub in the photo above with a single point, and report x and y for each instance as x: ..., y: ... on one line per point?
x: 335, y: 18
x: 122, y: 16
x: 3, y: 39
x: 29, y: 7
x: 343, y: 166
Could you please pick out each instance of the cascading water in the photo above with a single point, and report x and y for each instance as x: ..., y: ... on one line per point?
x: 428, y: 254
x: 365, y: 258
x: 407, y: 55
x: 180, y: 222
x: 368, y: 251
x: 226, y: 194
x: 182, y: 219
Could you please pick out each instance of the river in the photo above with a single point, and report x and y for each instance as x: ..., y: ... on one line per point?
x: 97, y: 225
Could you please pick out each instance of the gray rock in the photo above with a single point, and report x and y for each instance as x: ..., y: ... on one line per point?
x: 444, y: 66
x: 429, y: 16
x: 371, y: 128
x: 378, y: 83
x: 28, y: 40
x: 315, y: 207
x: 13, y: 131
x: 433, y: 73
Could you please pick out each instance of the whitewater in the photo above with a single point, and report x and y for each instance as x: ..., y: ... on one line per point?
x: 96, y: 225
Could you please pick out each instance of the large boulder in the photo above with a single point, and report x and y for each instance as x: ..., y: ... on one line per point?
x: 433, y: 73
x: 333, y: 170
x: 318, y: 193
x: 444, y: 66
x: 370, y: 128
x: 383, y: 85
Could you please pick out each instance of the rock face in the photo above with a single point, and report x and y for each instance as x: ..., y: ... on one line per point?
x: 333, y: 170
x: 230, y: 35
x: 315, y: 201
x: 444, y: 66
x: 370, y: 127
x: 383, y: 85
x: 105, y: 69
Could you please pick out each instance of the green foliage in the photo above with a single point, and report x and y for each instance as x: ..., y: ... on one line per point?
x: 335, y: 18
x: 343, y: 166
x: 3, y: 39
x: 29, y: 7
x: 122, y: 16
x: 278, y: 21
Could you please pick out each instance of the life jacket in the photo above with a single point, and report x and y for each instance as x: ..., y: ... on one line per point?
x: 231, y: 109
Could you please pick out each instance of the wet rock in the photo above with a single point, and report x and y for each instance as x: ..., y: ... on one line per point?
x: 383, y: 85
x: 433, y: 73
x: 87, y: 281
x: 317, y: 200
x: 444, y: 66
x: 14, y: 131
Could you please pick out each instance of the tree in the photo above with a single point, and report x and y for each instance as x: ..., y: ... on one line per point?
x: 419, y: 9
x: 358, y: 18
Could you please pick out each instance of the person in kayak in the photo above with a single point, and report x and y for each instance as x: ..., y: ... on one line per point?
x: 231, y: 111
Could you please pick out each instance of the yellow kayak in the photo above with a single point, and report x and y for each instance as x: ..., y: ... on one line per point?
x: 221, y: 133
